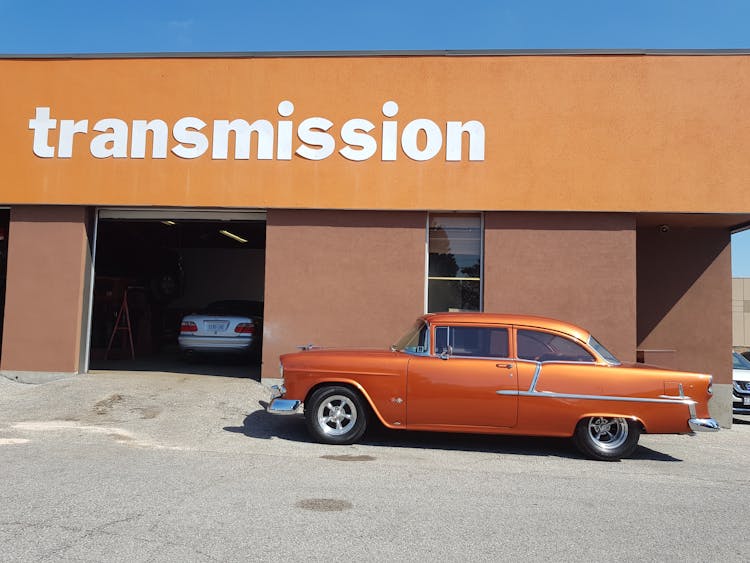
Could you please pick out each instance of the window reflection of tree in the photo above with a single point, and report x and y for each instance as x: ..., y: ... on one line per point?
x: 442, y: 260
x: 470, y: 289
x: 443, y: 263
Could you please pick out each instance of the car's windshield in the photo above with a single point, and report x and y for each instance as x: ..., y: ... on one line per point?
x: 739, y: 361
x: 608, y: 356
x: 415, y: 341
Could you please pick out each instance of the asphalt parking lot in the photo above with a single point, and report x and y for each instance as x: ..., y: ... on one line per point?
x: 164, y: 466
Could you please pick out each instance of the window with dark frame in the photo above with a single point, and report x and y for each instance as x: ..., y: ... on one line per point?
x: 454, y: 271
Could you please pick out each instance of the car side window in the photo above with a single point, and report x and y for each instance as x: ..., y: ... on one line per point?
x: 541, y: 346
x: 472, y: 341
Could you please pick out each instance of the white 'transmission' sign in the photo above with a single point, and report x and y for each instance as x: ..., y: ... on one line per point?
x: 420, y: 139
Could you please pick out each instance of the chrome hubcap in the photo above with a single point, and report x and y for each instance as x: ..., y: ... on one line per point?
x: 608, y: 433
x: 337, y: 415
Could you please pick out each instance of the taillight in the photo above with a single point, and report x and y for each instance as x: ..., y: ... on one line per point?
x: 245, y: 328
x: 188, y: 326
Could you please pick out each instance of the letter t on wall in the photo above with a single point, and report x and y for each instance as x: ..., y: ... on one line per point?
x: 42, y: 124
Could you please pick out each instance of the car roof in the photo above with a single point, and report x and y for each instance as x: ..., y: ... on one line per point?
x: 531, y: 321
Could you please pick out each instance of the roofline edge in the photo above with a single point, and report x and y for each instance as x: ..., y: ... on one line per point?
x: 384, y: 53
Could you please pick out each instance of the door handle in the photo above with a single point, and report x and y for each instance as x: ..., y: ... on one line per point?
x: 506, y: 366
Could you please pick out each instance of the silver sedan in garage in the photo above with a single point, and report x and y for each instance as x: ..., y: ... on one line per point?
x: 224, y: 327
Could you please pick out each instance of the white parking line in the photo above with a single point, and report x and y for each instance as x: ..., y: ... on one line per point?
x: 120, y: 435
x: 12, y: 441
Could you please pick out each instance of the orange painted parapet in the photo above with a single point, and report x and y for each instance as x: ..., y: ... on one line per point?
x: 493, y: 374
x: 567, y: 133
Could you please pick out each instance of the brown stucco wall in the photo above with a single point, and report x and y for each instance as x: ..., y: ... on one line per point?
x: 341, y: 278
x: 47, y: 249
x: 684, y: 297
x: 572, y: 266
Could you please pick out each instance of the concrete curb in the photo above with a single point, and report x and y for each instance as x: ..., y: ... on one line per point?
x: 36, y: 377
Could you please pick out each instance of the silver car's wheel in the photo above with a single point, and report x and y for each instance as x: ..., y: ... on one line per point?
x: 336, y: 415
x: 607, y: 438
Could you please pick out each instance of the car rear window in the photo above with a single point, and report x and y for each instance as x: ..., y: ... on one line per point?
x: 548, y: 347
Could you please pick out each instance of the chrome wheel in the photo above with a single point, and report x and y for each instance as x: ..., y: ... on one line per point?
x: 337, y: 415
x: 608, y: 433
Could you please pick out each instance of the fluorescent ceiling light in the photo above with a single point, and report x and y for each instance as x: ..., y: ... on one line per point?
x: 170, y: 223
x: 233, y: 236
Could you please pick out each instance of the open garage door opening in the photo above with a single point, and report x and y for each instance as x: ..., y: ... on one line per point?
x: 182, y: 292
x: 4, y: 226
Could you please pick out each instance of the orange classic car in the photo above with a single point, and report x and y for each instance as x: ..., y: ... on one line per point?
x: 492, y: 374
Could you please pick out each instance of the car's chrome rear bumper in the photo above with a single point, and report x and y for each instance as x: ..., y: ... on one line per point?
x: 279, y: 405
x: 703, y: 425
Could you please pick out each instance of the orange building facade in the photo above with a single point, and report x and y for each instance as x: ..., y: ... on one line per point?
x: 597, y: 188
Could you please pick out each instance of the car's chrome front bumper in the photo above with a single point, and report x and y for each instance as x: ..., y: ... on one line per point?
x: 703, y: 425
x: 279, y: 405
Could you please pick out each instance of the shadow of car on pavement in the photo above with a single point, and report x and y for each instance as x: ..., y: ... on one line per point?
x: 261, y: 425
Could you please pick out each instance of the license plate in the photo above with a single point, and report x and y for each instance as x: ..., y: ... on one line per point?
x: 215, y: 326
x: 746, y: 400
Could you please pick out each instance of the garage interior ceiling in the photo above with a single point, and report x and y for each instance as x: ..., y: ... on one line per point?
x: 177, y: 233
x: 167, y: 213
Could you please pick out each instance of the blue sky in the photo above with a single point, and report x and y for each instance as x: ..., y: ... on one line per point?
x: 140, y: 26
x: 87, y: 26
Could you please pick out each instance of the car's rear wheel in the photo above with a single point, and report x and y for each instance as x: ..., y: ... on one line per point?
x: 607, y: 438
x: 336, y: 415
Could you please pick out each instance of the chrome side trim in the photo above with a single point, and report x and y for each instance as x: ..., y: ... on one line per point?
x: 703, y: 425
x: 459, y: 357
x: 537, y: 371
x: 551, y: 395
x: 691, y: 408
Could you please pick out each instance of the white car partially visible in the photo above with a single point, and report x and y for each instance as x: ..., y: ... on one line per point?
x: 740, y: 384
x: 224, y: 327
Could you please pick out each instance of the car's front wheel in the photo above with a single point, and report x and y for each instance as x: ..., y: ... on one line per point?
x: 607, y: 438
x: 336, y: 415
